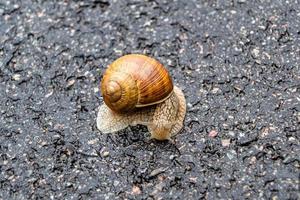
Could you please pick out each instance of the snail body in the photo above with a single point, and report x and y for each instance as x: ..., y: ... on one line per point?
x: 138, y: 90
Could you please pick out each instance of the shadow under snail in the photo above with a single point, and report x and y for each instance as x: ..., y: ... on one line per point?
x: 139, y: 90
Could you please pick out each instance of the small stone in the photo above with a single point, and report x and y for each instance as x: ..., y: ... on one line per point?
x: 16, y: 77
x: 290, y: 158
x: 231, y: 133
x: 116, y: 183
x: 275, y: 198
x: 213, y: 133
x: 225, y: 142
x: 70, y: 83
x: 158, y: 171
x: 69, y: 184
x: 215, y: 90
x: 253, y: 160
x: 96, y: 89
x: 105, y: 153
x: 246, y: 138
x: 135, y: 190
x: 225, y: 126
x: 94, y: 141
x: 233, y: 12
x: 59, y: 126
x: 44, y: 143
x: 193, y: 179
x: 231, y: 154
x: 255, y: 52
x: 265, y: 132
x: 50, y: 92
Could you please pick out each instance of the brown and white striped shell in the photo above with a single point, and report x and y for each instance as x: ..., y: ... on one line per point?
x: 134, y: 81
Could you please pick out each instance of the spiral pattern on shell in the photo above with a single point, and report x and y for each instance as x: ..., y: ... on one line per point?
x: 134, y: 81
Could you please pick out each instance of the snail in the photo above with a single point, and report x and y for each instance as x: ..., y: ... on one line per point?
x: 137, y: 89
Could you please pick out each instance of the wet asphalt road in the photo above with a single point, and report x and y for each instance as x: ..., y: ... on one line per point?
x: 237, y: 62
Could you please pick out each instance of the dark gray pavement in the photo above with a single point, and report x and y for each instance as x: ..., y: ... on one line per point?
x: 237, y: 62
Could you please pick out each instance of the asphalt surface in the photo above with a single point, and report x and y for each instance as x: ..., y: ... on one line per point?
x: 236, y: 61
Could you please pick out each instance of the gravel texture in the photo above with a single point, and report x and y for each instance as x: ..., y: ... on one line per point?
x: 237, y: 62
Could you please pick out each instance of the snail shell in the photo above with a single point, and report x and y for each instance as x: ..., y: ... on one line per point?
x: 134, y: 81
